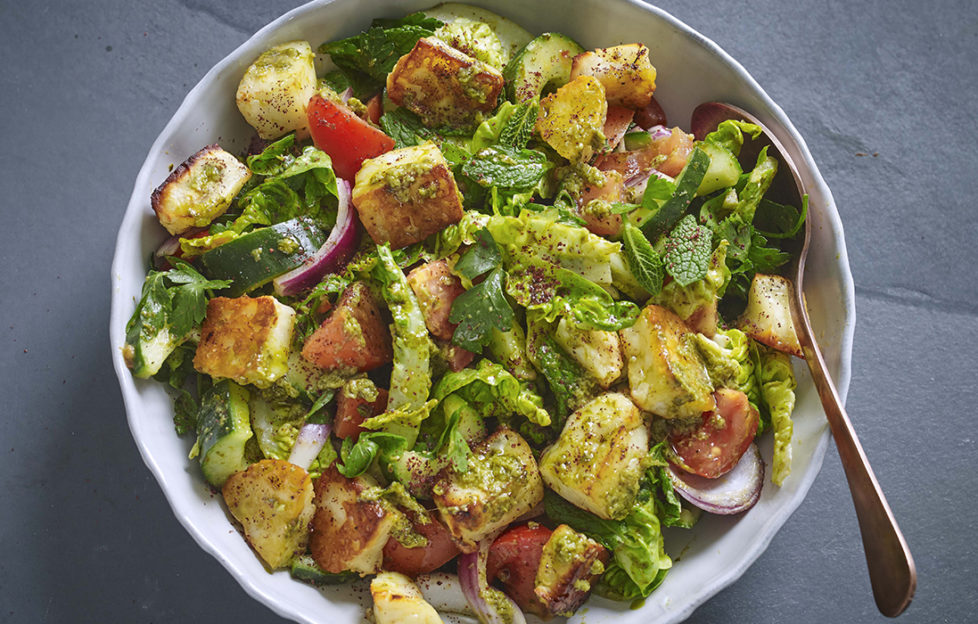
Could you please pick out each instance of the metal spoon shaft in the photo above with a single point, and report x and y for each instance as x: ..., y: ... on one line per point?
x: 892, y: 572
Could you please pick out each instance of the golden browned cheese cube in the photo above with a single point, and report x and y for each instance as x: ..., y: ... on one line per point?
x: 501, y: 484
x: 625, y: 71
x: 571, y: 119
x: 436, y: 289
x: 199, y: 190
x: 246, y: 340
x: 442, y: 85
x: 569, y: 564
x: 406, y: 195
x: 348, y: 533
x: 272, y: 499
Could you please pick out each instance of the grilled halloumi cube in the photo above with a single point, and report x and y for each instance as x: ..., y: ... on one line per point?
x: 397, y: 600
x: 272, y: 499
x: 571, y: 119
x: 767, y: 317
x: 625, y: 71
x: 442, y: 85
x: 349, y: 533
x: 245, y: 339
x: 666, y: 375
x: 597, y: 351
x: 597, y: 461
x: 406, y: 195
x: 501, y: 484
x: 199, y: 190
x: 276, y: 88
x: 568, y: 565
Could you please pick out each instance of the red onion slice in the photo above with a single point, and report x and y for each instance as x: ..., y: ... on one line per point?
x: 734, y: 492
x: 312, y: 438
x: 347, y: 94
x: 335, y: 251
x: 472, y: 577
x: 659, y: 132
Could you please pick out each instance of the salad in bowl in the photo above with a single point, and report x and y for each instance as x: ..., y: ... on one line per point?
x: 470, y: 318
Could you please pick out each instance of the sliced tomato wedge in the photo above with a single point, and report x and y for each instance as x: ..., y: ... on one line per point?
x: 375, y: 108
x: 414, y: 561
x: 714, y: 447
x: 347, y: 139
x: 513, y: 560
x: 352, y: 411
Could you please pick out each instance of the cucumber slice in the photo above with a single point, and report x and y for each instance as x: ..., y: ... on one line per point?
x: 542, y: 63
x: 260, y: 256
x: 223, y: 429
x: 511, y: 35
x: 304, y: 568
x: 724, y: 169
x: 637, y: 140
x: 687, y: 183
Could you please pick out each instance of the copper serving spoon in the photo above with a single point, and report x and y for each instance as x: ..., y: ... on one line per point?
x: 891, y: 567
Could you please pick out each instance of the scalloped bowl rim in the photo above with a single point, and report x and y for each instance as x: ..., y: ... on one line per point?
x: 257, y: 584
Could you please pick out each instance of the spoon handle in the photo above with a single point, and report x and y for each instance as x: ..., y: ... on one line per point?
x: 892, y: 572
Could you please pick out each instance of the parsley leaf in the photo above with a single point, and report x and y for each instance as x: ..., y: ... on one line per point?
x: 688, y: 251
x: 644, y: 262
x: 181, y: 305
x: 481, y: 257
x: 189, y: 296
x: 478, y: 310
x: 507, y: 168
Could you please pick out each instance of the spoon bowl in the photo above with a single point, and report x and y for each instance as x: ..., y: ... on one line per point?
x: 892, y: 572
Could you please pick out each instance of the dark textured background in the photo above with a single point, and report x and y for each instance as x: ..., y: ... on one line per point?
x: 883, y: 92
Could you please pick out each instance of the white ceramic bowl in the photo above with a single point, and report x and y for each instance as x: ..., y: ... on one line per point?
x: 691, y: 69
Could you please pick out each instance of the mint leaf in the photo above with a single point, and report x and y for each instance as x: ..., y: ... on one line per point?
x: 481, y: 257
x: 367, y: 58
x: 478, y: 310
x: 519, y: 127
x: 507, y: 168
x: 404, y: 127
x: 688, y: 251
x: 642, y: 259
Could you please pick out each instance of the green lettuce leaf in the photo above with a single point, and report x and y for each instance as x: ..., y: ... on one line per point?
x: 730, y: 135
x: 730, y: 363
x: 556, y: 292
x: 493, y: 392
x: 635, y: 542
x: 777, y: 389
x: 411, y: 375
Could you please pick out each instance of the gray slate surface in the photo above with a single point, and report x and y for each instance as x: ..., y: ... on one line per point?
x: 884, y: 94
